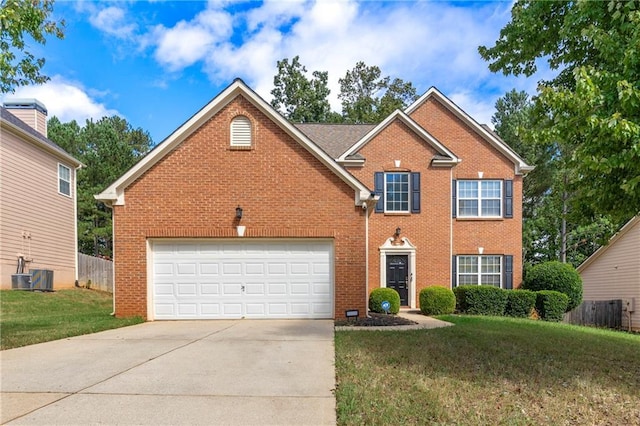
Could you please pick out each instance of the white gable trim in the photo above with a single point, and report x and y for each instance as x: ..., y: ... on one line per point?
x: 626, y: 228
x: 415, y: 127
x: 520, y: 166
x: 114, y: 194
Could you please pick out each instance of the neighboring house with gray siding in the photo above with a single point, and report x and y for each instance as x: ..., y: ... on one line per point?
x: 613, y: 272
x: 37, y: 196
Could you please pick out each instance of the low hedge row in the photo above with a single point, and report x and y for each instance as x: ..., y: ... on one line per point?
x: 488, y: 300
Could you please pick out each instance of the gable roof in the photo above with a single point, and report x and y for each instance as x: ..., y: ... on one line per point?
x: 335, y: 139
x: 21, y: 128
x: 521, y: 167
x: 624, y: 230
x: 443, y: 157
x: 114, y: 194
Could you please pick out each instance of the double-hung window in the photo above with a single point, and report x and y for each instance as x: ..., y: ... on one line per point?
x: 64, y: 180
x: 399, y: 192
x: 479, y: 270
x: 396, y: 192
x: 479, y: 198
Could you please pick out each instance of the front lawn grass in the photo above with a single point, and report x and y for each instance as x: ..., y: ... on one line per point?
x: 33, y: 317
x: 488, y: 371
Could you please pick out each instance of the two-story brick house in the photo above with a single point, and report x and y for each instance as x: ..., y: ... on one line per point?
x: 240, y: 213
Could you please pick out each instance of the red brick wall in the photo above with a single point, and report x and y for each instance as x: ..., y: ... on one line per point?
x: 428, y: 230
x: 284, y: 191
x: 434, y: 233
x: 497, y: 236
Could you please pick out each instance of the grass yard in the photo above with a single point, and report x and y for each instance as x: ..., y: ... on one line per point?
x: 33, y: 317
x: 488, y: 371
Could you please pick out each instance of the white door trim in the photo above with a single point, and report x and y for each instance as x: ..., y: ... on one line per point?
x: 404, y: 247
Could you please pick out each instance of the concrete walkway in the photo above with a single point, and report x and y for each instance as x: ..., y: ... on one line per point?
x: 413, y: 315
x: 168, y: 373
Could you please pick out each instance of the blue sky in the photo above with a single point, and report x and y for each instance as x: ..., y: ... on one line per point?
x: 157, y: 63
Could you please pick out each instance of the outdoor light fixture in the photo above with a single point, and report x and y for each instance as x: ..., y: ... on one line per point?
x: 398, y: 231
x: 238, y: 212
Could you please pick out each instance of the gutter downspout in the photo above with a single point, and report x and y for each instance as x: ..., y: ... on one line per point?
x: 451, y: 232
x: 75, y: 219
x: 368, y: 208
x: 366, y: 251
x: 113, y: 257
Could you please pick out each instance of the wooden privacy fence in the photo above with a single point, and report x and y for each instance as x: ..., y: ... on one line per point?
x: 95, y: 273
x: 599, y: 313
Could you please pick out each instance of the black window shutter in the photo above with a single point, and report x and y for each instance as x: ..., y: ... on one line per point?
x: 508, y: 272
x: 415, y: 192
x: 378, y: 182
x: 508, y: 198
x: 454, y: 207
x: 454, y: 272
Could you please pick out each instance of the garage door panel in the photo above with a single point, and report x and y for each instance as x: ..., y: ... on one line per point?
x: 210, y: 289
x: 186, y: 269
x: 257, y: 279
x: 209, y: 268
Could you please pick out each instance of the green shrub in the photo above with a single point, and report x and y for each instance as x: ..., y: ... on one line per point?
x: 520, y: 303
x: 551, y: 305
x: 556, y: 276
x: 480, y: 300
x: 437, y: 301
x: 379, y: 295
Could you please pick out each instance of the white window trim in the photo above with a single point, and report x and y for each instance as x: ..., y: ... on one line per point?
x: 479, y: 198
x: 60, y: 179
x: 386, y: 199
x: 479, y: 273
x: 241, y: 142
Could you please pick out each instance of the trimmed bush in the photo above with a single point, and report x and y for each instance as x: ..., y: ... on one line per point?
x: 480, y: 300
x: 551, y: 305
x: 437, y: 301
x: 379, y: 295
x: 556, y: 276
x: 520, y: 303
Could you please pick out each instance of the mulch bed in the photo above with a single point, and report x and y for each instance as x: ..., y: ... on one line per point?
x: 374, y: 320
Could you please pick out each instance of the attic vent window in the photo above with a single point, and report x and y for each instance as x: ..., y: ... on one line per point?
x: 241, y: 132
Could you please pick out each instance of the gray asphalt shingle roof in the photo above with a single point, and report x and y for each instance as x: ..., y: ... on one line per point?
x: 334, y: 139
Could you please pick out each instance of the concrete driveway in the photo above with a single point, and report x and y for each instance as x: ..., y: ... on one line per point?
x: 240, y: 372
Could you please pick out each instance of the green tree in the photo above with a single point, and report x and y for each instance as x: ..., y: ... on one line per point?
x: 303, y: 100
x: 108, y: 147
x: 369, y: 98
x: 592, y: 107
x: 553, y: 228
x: 20, y: 19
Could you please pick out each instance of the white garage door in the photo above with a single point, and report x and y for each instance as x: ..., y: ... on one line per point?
x: 242, y: 279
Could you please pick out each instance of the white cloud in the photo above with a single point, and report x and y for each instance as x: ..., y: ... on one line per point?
x: 426, y: 43
x: 480, y: 110
x: 113, y: 21
x: 191, y: 41
x: 66, y: 100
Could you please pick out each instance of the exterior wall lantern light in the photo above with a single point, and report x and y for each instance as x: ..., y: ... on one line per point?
x: 238, y: 212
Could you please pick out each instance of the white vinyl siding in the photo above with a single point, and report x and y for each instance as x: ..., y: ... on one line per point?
x: 479, y: 198
x: 482, y: 270
x: 241, y: 132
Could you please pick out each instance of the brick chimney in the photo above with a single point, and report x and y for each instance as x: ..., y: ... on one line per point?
x: 31, y: 111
